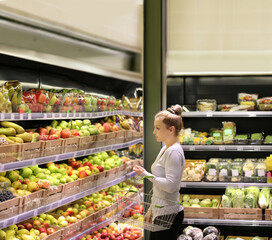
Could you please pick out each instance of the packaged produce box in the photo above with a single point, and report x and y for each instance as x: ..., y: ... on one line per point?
x: 194, y: 170
x: 195, y: 211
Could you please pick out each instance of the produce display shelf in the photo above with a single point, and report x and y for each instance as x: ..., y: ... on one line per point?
x: 63, y: 156
x: 221, y: 185
x: 228, y: 114
x: 226, y: 222
x: 241, y: 148
x: 27, y: 215
x: 99, y: 225
x: 52, y: 116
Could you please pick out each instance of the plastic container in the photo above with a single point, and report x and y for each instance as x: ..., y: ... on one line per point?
x: 248, y: 99
x: 268, y: 139
x: 211, y: 171
x: 205, y: 105
x: 241, y: 139
x: 226, y: 107
x: 236, y: 171
x: 249, y: 173
x: 224, y: 172
x: 217, y: 136
x: 261, y: 171
x: 229, y: 129
x: 256, y: 138
x: 265, y: 104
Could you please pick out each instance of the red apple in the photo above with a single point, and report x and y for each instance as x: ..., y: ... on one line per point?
x: 75, y: 132
x: 82, y: 174
x: 28, y: 226
x: 73, y: 164
x: 44, y: 137
x: 50, y: 230
x: 43, y: 131
x: 65, y: 133
x: 41, y: 97
x: 45, y: 225
x: 36, y: 224
x: 87, y: 164
x: 54, y: 131
x: 101, y: 169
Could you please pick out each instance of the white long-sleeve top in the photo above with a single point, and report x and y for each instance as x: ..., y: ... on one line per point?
x: 167, y: 174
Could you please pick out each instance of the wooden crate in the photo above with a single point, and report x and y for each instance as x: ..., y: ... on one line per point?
x: 53, y: 194
x: 9, y: 153
x: 11, y: 207
x: 203, y: 212
x: 70, y: 144
x: 244, y: 237
x: 88, y: 182
x: 110, y: 135
x: 71, y: 188
x: 137, y: 135
x: 129, y: 135
x: 32, y: 201
x: 268, y: 214
x: 87, y: 142
x: 101, y: 137
x: 30, y: 150
x: 121, y: 171
x: 240, y: 213
x: 52, y: 147
x: 120, y: 140
x: 109, y: 142
x: 101, y: 178
x: 100, y: 143
x: 71, y: 230
x: 110, y: 174
x: 87, y: 222
x: 121, y: 134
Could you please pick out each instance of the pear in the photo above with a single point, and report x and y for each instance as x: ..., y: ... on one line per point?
x: 2, y: 235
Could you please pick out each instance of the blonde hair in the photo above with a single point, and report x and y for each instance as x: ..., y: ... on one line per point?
x: 172, y: 117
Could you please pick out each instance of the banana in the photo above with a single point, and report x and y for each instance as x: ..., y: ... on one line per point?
x: 18, y: 128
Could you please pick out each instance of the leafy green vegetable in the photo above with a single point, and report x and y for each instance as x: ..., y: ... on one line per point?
x: 238, y: 198
x: 226, y: 202
x: 264, y: 198
x: 186, y: 198
x: 229, y: 191
x: 206, y: 203
x: 250, y: 201
x: 256, y: 136
x: 195, y: 205
x: 186, y: 204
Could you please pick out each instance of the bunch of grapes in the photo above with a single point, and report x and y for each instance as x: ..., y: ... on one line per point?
x: 6, y: 195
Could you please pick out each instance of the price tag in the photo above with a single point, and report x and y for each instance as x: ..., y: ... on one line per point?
x: 191, y: 148
x: 257, y: 148
x: 240, y: 148
x: 235, y: 172
x: 224, y: 172
x: 261, y: 173
x: 222, y: 148
x: 212, y: 172
x: 209, y: 114
x: 84, y: 115
x: 45, y: 115
x: 21, y: 114
x: 12, y: 116
x: 248, y: 173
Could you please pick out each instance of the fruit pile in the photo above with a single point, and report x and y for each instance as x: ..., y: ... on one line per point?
x: 5, y: 195
x: 20, y: 231
x: 14, y: 133
x: 115, y: 231
x: 135, y: 212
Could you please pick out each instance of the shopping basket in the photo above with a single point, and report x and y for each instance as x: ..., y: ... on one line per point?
x: 146, y: 211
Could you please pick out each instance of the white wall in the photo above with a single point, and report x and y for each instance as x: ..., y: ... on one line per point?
x: 119, y: 21
x: 219, y: 35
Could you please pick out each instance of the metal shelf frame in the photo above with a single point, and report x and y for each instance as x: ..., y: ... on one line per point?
x: 227, y: 114
x: 52, y: 116
x: 241, y: 148
x: 221, y: 185
x: 63, y: 156
x: 27, y: 215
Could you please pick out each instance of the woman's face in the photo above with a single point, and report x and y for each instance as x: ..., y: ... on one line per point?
x: 161, y: 131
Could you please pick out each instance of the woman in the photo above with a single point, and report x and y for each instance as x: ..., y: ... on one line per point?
x: 166, y: 170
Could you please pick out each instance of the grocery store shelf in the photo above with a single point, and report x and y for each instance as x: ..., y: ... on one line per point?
x: 63, y: 156
x: 52, y: 116
x: 221, y: 184
x: 227, y: 222
x: 242, y: 148
x: 27, y: 215
x: 228, y: 114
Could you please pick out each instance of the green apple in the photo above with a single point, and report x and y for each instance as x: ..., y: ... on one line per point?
x: 52, y: 168
x: 37, y: 170
x: 34, y: 167
x: 26, y: 172
x: 84, y: 133
x: 41, y: 176
x: 63, y: 180
x: 86, y: 122
x: 43, y: 216
x: 95, y: 170
x: 89, y: 172
x: 84, y: 128
x: 59, y: 128
x: 47, y: 172
x: 79, y: 123
x: 64, y: 123
x: 74, y: 177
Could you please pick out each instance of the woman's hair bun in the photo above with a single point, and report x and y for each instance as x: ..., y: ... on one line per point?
x: 175, y: 109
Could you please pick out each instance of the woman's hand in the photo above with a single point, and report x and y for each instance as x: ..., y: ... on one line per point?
x: 139, y: 170
x: 148, y: 216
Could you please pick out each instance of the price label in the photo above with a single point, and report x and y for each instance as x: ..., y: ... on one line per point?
x: 248, y: 173
x: 12, y: 116
x: 261, y: 173
x: 45, y: 115
x: 191, y: 148
x: 209, y: 114
x: 212, y: 172
x: 240, y: 148
x: 257, y: 148
x: 224, y: 172
x: 235, y: 172
x: 222, y: 148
